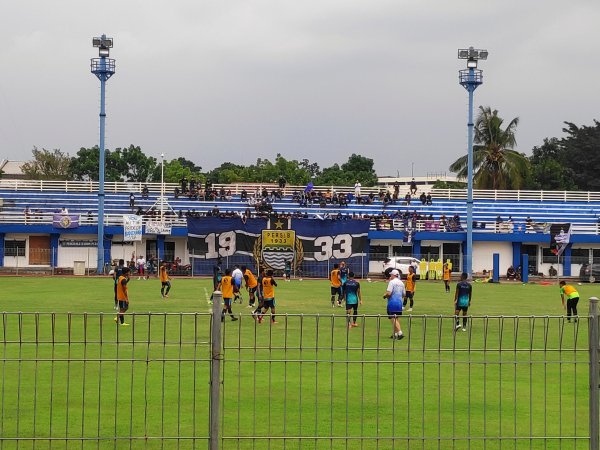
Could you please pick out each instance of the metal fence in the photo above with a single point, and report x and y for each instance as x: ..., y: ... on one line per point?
x: 305, y: 382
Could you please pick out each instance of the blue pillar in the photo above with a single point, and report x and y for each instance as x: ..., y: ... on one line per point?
x: 54, y: 249
x: 525, y: 268
x: 416, y: 249
x: 2, y: 236
x: 516, y: 254
x: 107, y: 248
x: 496, y: 270
x: 567, y: 261
x: 160, y: 247
x: 469, y: 252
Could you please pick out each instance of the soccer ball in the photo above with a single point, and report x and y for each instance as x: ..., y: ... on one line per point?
x: 579, y: 284
x: 369, y: 280
x: 299, y: 279
x: 112, y: 272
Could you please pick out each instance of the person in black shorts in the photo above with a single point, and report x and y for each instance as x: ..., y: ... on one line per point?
x: 116, y: 274
x: 462, y: 300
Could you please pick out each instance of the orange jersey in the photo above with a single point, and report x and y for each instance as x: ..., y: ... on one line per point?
x: 227, y: 286
x: 268, y: 289
x: 334, y: 277
x: 446, y: 273
x: 251, y: 279
x: 122, y: 292
x: 410, y: 282
x: 164, y: 276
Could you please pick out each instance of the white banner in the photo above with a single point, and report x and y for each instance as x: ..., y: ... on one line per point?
x: 132, y: 228
x: 157, y: 228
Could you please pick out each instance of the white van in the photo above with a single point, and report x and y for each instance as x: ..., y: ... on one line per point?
x: 401, y: 263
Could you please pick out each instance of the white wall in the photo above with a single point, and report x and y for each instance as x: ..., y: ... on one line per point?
x: 483, y: 256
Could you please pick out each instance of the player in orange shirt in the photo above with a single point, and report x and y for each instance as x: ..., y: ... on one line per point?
x: 251, y: 285
x: 446, y: 276
x: 226, y: 288
x: 165, y: 280
x: 268, y: 288
x: 336, y: 285
x: 411, y: 281
x: 123, y: 296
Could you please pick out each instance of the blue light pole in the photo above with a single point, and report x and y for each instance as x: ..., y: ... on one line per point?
x: 104, y: 68
x: 470, y: 79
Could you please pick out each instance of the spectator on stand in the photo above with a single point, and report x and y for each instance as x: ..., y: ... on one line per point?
x: 413, y: 187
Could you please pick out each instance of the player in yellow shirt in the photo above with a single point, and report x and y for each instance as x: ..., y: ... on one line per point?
x: 336, y: 285
x: 226, y: 288
x: 409, y: 294
x: 251, y: 285
x: 165, y: 280
x: 572, y: 296
x: 268, y: 292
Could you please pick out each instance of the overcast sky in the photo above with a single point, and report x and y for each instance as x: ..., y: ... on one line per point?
x: 237, y: 80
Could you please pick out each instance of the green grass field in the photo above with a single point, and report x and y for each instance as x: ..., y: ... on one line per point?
x: 69, y: 371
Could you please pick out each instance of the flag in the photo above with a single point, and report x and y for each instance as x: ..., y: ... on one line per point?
x: 65, y: 221
x: 560, y: 236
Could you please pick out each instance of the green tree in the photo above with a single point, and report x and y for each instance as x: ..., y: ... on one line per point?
x: 47, y: 165
x: 359, y: 168
x: 496, y: 165
x: 85, y: 165
x: 175, y: 170
x: 139, y: 167
x: 547, y: 169
x: 579, y: 153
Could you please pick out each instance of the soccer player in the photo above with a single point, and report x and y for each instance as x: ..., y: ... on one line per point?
x: 446, y: 276
x: 237, y: 276
x: 568, y: 291
x: 395, y: 295
x: 268, y: 287
x: 123, y: 296
x: 336, y: 285
x: 288, y: 270
x: 117, y: 273
x: 343, y: 276
x: 462, y: 300
x: 409, y: 296
x: 165, y: 280
x: 226, y: 287
x: 353, y: 299
x: 259, y: 292
x: 251, y: 285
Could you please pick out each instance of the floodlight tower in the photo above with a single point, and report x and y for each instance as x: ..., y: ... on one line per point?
x: 104, y: 68
x: 470, y: 78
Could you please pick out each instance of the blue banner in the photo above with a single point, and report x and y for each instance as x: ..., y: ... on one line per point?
x: 65, y: 221
x: 308, y: 246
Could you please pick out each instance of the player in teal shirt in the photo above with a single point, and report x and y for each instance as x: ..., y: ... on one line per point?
x: 353, y: 299
x: 462, y: 300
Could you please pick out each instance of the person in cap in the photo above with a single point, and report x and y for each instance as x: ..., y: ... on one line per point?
x: 395, y: 296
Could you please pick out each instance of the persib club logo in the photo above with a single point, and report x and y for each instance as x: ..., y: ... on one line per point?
x: 278, y: 245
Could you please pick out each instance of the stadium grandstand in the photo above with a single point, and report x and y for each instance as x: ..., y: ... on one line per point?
x: 52, y: 225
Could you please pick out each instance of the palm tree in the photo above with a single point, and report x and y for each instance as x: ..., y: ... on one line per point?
x: 495, y: 164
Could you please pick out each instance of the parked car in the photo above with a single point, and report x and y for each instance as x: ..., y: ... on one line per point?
x: 589, y: 273
x: 401, y: 263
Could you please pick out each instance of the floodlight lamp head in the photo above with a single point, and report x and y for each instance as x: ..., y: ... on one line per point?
x: 472, y: 64
x: 104, y: 44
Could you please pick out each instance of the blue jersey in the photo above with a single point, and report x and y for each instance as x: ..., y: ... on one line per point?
x: 352, y: 288
x: 463, y: 289
x: 344, y: 274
